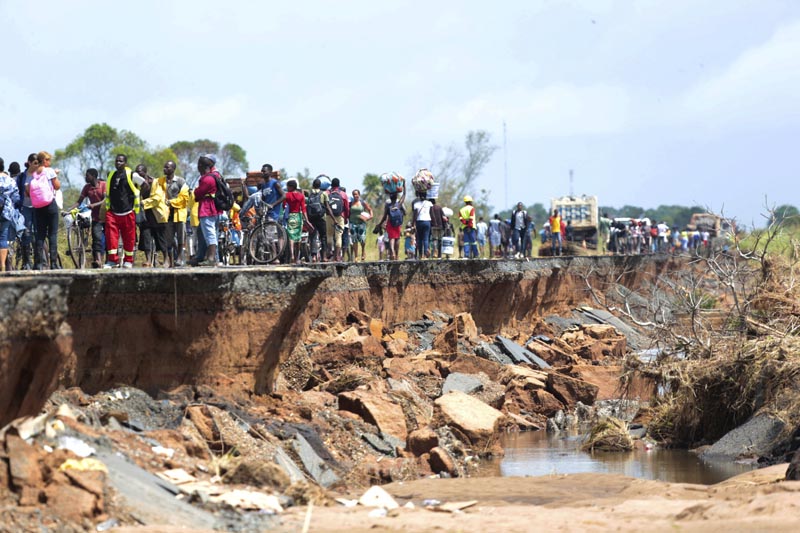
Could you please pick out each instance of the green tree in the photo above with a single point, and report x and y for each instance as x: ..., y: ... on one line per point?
x: 372, y: 191
x: 91, y: 149
x: 188, y: 153
x: 232, y: 161
x: 787, y: 215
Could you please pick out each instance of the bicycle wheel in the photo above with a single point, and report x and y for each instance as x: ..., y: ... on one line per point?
x: 267, y: 243
x: 76, y: 248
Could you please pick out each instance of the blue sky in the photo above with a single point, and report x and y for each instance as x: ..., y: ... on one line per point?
x: 650, y: 102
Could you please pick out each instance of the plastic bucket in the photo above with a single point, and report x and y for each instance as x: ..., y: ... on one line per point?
x: 448, y: 245
x: 433, y: 192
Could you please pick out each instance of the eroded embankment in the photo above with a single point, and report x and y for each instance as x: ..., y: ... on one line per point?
x: 229, y: 328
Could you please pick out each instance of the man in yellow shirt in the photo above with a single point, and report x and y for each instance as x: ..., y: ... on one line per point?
x: 555, y: 232
x: 467, y: 217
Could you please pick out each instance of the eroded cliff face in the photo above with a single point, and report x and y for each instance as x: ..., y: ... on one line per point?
x: 157, y: 329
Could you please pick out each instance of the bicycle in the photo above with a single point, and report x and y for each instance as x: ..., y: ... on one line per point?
x: 225, y: 245
x: 79, y: 225
x: 266, y: 242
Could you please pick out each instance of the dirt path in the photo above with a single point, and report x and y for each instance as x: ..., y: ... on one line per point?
x: 582, y: 502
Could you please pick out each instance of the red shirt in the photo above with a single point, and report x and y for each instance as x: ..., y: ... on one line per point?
x: 94, y: 194
x: 203, y: 194
x: 296, y: 201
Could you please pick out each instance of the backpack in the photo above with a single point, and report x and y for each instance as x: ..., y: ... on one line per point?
x: 395, y: 215
x: 314, y: 208
x: 337, y: 203
x: 41, y: 190
x: 223, y: 199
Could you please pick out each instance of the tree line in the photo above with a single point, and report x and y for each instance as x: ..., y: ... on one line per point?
x: 98, y: 145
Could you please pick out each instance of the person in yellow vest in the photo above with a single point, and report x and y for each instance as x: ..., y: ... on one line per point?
x: 467, y: 217
x: 177, y: 198
x: 153, y: 226
x: 122, y: 204
x: 555, y: 233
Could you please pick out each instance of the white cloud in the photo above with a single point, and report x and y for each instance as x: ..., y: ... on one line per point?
x: 552, y: 111
x: 758, y: 88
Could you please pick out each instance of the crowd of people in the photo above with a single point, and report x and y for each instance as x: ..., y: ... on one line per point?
x: 132, y: 210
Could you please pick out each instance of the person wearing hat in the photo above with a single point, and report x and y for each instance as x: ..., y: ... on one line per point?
x: 467, y: 217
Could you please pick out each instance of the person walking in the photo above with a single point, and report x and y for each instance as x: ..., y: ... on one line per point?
x: 207, y: 210
x: 122, y: 205
x: 95, y: 192
x: 9, y: 198
x: 156, y: 214
x: 358, y: 223
x: 392, y: 222
x: 340, y: 208
x: 422, y: 221
x: 467, y: 217
x: 295, y: 203
x: 317, y: 208
x: 42, y: 187
x: 555, y: 233
x: 177, y: 198
x: 519, y: 226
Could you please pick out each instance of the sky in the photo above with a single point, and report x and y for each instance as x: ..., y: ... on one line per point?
x: 648, y: 102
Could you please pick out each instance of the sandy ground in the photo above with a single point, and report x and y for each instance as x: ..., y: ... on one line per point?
x: 754, y: 501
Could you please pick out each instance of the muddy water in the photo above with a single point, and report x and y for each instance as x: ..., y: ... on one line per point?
x: 535, y: 453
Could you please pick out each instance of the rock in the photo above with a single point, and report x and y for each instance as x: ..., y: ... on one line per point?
x: 396, y: 348
x: 313, y: 463
x: 605, y: 377
x: 377, y: 497
x: 520, y: 354
x: 422, y: 440
x: 379, y: 444
x: 257, y: 473
x: 754, y: 438
x: 528, y: 378
x: 338, y: 353
x: 446, y: 341
x: 70, y: 502
x: 476, y: 420
x: 441, y: 461
x: 465, y: 326
x: 23, y: 463
x: 465, y: 383
x: 488, y: 351
x: 375, y: 409
x: 399, y: 367
x: 553, y: 354
x: 471, y: 364
x: 570, y: 391
x: 288, y: 466
x: 376, y: 328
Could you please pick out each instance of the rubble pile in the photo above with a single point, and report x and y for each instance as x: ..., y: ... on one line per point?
x: 356, y: 404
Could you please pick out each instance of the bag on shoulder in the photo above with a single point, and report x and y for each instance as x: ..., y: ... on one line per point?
x: 337, y: 203
x: 314, y: 208
x: 41, y: 191
x: 223, y: 199
x: 395, y: 215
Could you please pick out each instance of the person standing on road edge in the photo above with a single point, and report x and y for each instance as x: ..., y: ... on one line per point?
x: 178, y: 202
x: 95, y: 191
x: 207, y: 209
x: 467, y: 218
x: 555, y: 233
x: 122, y: 205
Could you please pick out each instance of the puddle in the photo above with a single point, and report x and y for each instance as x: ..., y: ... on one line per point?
x: 535, y: 453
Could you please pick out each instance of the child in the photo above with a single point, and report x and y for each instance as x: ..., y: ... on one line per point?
x: 410, y: 241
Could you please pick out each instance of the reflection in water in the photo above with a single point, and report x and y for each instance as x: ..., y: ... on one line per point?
x: 535, y: 453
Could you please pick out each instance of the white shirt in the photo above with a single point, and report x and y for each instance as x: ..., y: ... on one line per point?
x: 423, y: 209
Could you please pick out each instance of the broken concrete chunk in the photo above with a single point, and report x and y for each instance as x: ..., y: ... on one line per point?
x: 490, y: 352
x: 377, y: 410
x: 466, y: 383
x: 520, y: 354
x: 314, y: 465
x: 379, y: 444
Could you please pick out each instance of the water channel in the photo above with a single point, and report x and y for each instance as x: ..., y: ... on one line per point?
x: 537, y: 453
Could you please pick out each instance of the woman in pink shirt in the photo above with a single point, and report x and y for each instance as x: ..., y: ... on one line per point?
x: 295, y: 202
